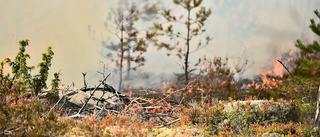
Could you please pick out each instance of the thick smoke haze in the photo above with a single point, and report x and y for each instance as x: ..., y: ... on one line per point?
x: 257, y: 30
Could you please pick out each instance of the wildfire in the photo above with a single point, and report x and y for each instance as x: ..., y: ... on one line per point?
x: 291, y: 52
x: 278, y: 68
x: 164, y: 84
x: 270, y: 78
x: 169, y: 91
x: 269, y: 82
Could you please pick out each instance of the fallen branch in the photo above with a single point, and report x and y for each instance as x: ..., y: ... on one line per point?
x: 170, y: 123
x: 55, y: 105
x: 174, y: 92
x: 63, y: 97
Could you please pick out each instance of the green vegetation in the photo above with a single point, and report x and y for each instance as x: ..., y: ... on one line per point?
x: 212, y: 105
x: 308, y: 62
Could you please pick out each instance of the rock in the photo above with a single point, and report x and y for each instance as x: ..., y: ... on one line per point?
x: 258, y: 105
x: 268, y: 134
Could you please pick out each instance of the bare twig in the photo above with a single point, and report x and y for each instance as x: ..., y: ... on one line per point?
x: 300, y: 83
x: 59, y: 100
x: 87, y: 100
x: 170, y: 123
x: 182, y: 89
x: 55, y: 105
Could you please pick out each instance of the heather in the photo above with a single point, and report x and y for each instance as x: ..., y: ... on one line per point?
x: 213, y: 100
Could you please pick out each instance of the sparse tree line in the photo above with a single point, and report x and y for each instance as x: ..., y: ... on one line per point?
x: 132, y: 43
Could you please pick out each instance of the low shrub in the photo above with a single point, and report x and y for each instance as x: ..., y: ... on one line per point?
x: 282, y: 129
x: 236, y: 116
x: 27, y: 117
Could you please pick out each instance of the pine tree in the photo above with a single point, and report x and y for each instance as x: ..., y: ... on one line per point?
x: 130, y: 46
x: 194, y: 27
x: 308, y: 65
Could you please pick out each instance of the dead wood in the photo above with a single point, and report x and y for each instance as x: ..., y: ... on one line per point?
x: 160, y: 110
x: 87, y: 100
x: 108, y: 88
x: 84, y: 79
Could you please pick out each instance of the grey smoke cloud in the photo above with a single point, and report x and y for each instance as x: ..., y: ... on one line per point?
x: 263, y: 28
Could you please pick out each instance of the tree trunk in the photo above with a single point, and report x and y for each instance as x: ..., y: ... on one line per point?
x: 121, y: 59
x: 186, y: 63
x: 128, y: 61
x: 316, y: 119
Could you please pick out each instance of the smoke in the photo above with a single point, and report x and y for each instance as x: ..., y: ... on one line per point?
x: 265, y: 30
x: 260, y: 29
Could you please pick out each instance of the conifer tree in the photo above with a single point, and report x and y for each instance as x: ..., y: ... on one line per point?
x: 39, y: 80
x: 20, y: 70
x: 129, y: 46
x: 180, y: 40
x: 308, y: 64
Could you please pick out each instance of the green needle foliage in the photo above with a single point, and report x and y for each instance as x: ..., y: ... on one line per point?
x: 55, y: 82
x: 308, y: 65
x: 22, y: 80
x: 53, y: 94
x: 193, y: 27
x: 39, y: 80
x: 20, y: 70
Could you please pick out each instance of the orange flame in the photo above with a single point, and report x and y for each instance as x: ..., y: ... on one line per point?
x: 269, y: 82
x: 164, y: 84
x: 170, y: 90
x: 278, y: 68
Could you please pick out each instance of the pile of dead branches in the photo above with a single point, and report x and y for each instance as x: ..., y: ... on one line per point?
x: 159, y: 110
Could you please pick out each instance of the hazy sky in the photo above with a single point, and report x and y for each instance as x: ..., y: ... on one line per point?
x: 264, y: 28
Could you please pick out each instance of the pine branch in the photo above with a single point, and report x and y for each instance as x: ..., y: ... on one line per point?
x: 300, y: 83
